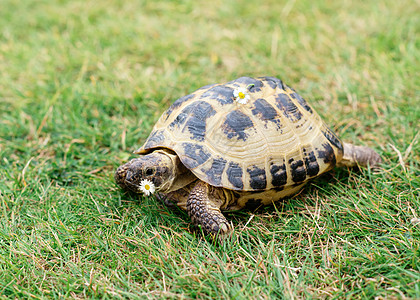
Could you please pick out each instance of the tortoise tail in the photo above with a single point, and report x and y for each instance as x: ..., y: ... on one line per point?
x: 359, y: 156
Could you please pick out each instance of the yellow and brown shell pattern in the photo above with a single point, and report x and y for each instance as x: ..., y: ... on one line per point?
x: 272, y: 142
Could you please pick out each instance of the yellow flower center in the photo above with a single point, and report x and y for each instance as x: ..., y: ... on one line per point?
x: 241, y: 95
x: 147, y: 187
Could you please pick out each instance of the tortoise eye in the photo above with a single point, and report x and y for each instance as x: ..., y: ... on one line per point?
x: 149, y: 171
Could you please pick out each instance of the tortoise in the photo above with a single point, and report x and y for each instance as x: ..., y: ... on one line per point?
x: 242, y: 144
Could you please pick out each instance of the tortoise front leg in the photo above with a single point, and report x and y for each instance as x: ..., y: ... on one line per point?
x: 204, y: 210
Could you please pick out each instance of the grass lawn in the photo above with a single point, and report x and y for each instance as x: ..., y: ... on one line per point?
x: 83, y: 82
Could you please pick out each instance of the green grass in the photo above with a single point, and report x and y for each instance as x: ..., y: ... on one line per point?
x: 81, y: 85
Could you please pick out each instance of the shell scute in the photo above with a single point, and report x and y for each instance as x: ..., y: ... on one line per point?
x: 258, y: 179
x: 333, y: 139
x: 301, y: 101
x: 155, y: 139
x: 197, y: 119
x: 266, y: 112
x: 236, y: 124
x: 298, y: 171
x: 234, y: 175
x: 252, y: 84
x: 278, y: 174
x: 194, y: 155
x: 214, y: 174
x: 311, y: 163
x: 176, y: 105
x: 223, y: 94
x: 273, y: 82
x: 327, y: 154
x: 289, y: 109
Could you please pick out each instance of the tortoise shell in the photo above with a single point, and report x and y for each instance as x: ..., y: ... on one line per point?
x: 275, y: 140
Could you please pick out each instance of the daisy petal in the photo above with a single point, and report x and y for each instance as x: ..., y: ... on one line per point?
x: 241, y: 95
x: 147, y: 187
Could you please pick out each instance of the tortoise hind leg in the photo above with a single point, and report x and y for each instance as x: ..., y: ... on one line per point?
x: 204, y: 210
x: 359, y: 155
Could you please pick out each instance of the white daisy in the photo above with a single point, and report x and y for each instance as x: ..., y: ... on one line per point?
x: 241, y: 95
x: 147, y: 187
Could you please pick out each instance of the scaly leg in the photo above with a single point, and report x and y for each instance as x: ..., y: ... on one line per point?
x: 359, y: 155
x: 204, y: 210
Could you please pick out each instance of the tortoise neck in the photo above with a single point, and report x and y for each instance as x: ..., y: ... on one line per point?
x: 179, y: 175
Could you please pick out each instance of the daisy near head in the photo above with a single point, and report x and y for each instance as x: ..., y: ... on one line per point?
x: 147, y: 187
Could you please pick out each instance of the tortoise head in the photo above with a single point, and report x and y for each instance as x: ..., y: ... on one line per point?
x: 156, y: 167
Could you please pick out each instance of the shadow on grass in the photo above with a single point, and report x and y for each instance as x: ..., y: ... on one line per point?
x: 176, y: 219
